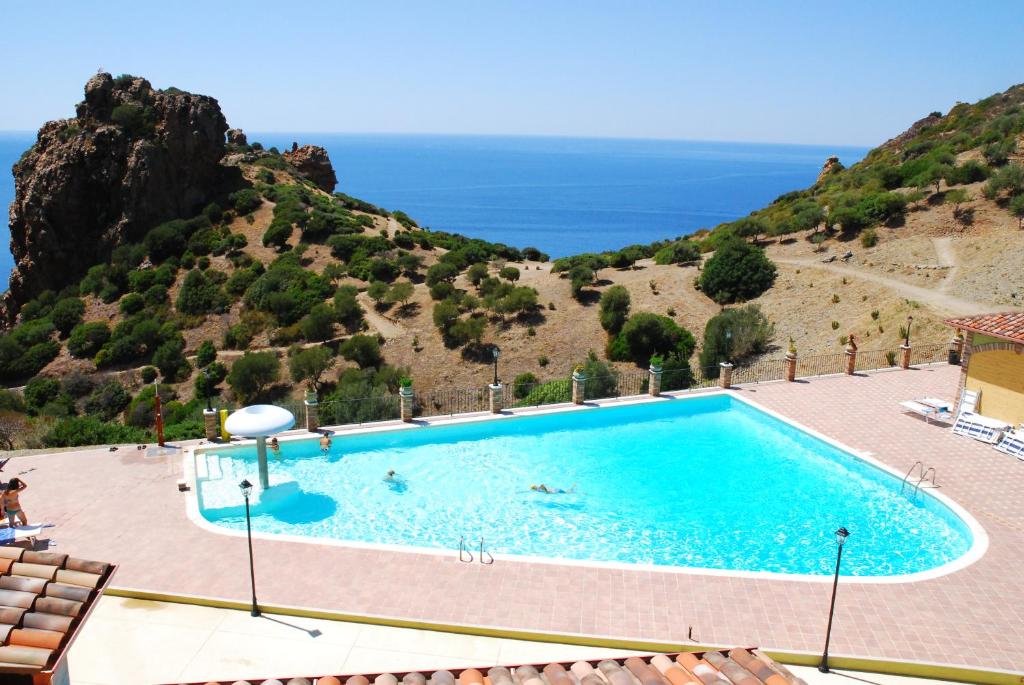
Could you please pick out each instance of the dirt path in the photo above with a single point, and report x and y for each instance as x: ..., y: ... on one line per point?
x: 385, y: 326
x: 937, y: 299
x: 947, y: 257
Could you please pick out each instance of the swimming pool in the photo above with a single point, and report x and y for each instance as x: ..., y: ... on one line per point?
x: 707, y: 482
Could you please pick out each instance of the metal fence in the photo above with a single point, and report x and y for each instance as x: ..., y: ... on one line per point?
x: 449, y: 401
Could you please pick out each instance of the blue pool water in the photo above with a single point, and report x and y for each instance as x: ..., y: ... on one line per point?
x: 702, y: 482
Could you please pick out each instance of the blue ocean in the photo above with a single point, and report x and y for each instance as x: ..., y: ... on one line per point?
x: 561, y: 195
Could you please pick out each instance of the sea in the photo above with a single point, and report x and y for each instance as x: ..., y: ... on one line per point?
x: 560, y: 195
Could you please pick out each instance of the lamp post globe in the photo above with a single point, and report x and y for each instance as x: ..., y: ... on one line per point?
x: 906, y: 339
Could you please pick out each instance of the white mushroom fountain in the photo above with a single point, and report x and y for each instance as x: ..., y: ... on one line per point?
x: 260, y: 421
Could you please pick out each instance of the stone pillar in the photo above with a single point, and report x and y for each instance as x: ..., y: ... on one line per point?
x: 312, y: 411
x: 956, y: 350
x: 211, y: 424
x: 579, y: 387
x: 851, y: 360
x: 725, y: 375
x: 405, y: 401
x: 790, y: 367
x: 905, y: 356
x: 494, y: 391
x: 654, y: 380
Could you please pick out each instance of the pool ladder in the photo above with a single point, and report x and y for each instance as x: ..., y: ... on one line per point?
x: 924, y: 478
x: 466, y: 557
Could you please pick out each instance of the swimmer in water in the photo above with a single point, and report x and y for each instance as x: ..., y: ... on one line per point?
x: 325, y: 443
x: 552, y: 491
x: 395, y: 482
x: 391, y: 476
x: 274, y: 446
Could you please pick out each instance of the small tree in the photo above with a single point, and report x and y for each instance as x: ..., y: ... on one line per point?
x: 401, y: 292
x: 614, y: 309
x: 476, y: 273
x: 277, y: 234
x: 734, y: 335
x: 678, y: 252
x: 318, y: 325
x: 442, y: 271
x: 378, y: 292
x: 509, y: 273
x: 737, y: 271
x: 750, y: 227
x: 1017, y: 209
x: 67, y: 314
x: 645, y: 335
x: 12, y: 424
x: 206, y: 353
x: 580, y: 276
x: 956, y: 198
x: 364, y: 350
x: 253, y: 373
x: 346, y: 307
x: 310, y: 365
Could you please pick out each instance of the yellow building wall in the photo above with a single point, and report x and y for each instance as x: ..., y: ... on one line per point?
x: 999, y: 374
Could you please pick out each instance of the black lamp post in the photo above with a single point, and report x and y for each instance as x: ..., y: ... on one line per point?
x: 496, y: 352
x: 841, y: 536
x: 906, y: 339
x: 209, y: 389
x: 246, y: 487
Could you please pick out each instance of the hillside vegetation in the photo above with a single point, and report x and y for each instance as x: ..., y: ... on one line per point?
x: 278, y: 285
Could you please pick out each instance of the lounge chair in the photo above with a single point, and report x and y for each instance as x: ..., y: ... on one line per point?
x: 1012, y: 443
x: 980, y: 427
x: 930, y: 408
x: 19, y: 533
x: 969, y: 401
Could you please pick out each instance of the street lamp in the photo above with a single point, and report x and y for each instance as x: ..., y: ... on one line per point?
x: 841, y: 536
x: 728, y: 344
x: 246, y: 487
x: 906, y: 339
x: 209, y: 388
x: 496, y: 352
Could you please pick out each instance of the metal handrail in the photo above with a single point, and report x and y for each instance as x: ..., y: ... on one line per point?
x: 910, y: 471
x: 463, y: 552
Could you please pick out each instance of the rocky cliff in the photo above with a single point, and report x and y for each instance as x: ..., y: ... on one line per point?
x: 132, y: 157
x: 312, y: 161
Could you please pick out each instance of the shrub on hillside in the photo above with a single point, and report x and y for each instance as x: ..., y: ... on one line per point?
x: 678, y: 252
x: 614, y: 309
x: 737, y: 271
x: 107, y: 401
x: 734, y: 335
x: 206, y: 354
x: 364, y: 350
x: 253, y: 373
x: 67, y: 314
x: 245, y: 201
x: 318, y: 325
x: 309, y: 365
x: 86, y: 339
x: 88, y: 430
x: 199, y: 295
x: 645, y: 335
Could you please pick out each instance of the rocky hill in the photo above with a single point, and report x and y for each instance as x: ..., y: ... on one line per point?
x: 150, y: 246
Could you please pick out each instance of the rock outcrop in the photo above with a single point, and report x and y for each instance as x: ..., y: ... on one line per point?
x: 236, y: 136
x: 915, y: 129
x: 132, y: 158
x: 831, y: 165
x: 312, y: 162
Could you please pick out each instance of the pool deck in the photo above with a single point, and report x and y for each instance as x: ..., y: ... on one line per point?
x: 125, y: 507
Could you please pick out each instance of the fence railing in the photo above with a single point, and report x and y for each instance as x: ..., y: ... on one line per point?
x: 449, y: 401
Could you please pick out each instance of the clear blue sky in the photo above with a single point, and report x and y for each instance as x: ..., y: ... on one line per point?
x: 815, y: 72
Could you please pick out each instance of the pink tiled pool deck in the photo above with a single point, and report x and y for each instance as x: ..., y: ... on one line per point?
x: 125, y: 507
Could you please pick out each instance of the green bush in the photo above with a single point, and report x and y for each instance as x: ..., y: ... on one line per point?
x: 442, y: 271
x: 364, y: 350
x: 169, y: 357
x: 308, y: 365
x: 107, y: 401
x: 88, y: 430
x: 737, y: 271
x: 318, y: 325
x: 678, y: 252
x: 476, y: 273
x: 645, y: 335
x: 253, y: 373
x: 734, y: 335
x: 868, y: 238
x: 277, y: 234
x: 199, y: 295
x: 614, y: 309
x: 509, y: 273
x: 206, y: 354
x: 523, y: 384
x: 87, y: 338
x: 132, y: 303
x: 67, y: 314
x: 148, y: 374
x: 40, y: 391
x: 245, y: 201
x: 135, y: 119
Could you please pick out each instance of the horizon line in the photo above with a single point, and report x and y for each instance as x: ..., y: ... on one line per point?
x: 450, y: 134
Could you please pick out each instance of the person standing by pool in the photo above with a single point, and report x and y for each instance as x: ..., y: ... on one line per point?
x: 11, y: 503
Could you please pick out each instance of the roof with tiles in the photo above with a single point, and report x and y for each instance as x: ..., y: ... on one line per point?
x: 44, y: 600
x: 736, y: 667
x: 1008, y: 325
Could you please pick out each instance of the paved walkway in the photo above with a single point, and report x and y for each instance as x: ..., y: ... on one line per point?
x: 125, y: 507
x: 167, y: 643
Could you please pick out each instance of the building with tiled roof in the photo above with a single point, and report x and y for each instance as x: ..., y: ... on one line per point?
x: 737, y: 667
x: 993, y: 363
x: 45, y: 599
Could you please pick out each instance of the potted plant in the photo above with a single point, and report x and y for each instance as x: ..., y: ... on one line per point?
x: 791, y: 352
x: 578, y: 372
x: 405, y: 386
x: 656, y: 363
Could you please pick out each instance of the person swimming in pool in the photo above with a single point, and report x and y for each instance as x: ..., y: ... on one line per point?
x: 12, y: 505
x: 275, y: 446
x: 553, y: 491
x: 325, y: 443
x: 395, y: 482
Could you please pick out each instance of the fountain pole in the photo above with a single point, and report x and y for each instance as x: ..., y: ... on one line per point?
x: 261, y: 456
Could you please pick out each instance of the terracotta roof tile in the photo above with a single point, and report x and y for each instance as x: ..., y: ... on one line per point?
x: 735, y: 667
x: 40, y: 617
x: 1008, y: 325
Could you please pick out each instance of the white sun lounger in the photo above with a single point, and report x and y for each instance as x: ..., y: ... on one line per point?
x: 1012, y: 443
x: 980, y: 427
x: 928, y: 410
x: 969, y: 401
x: 19, y: 533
